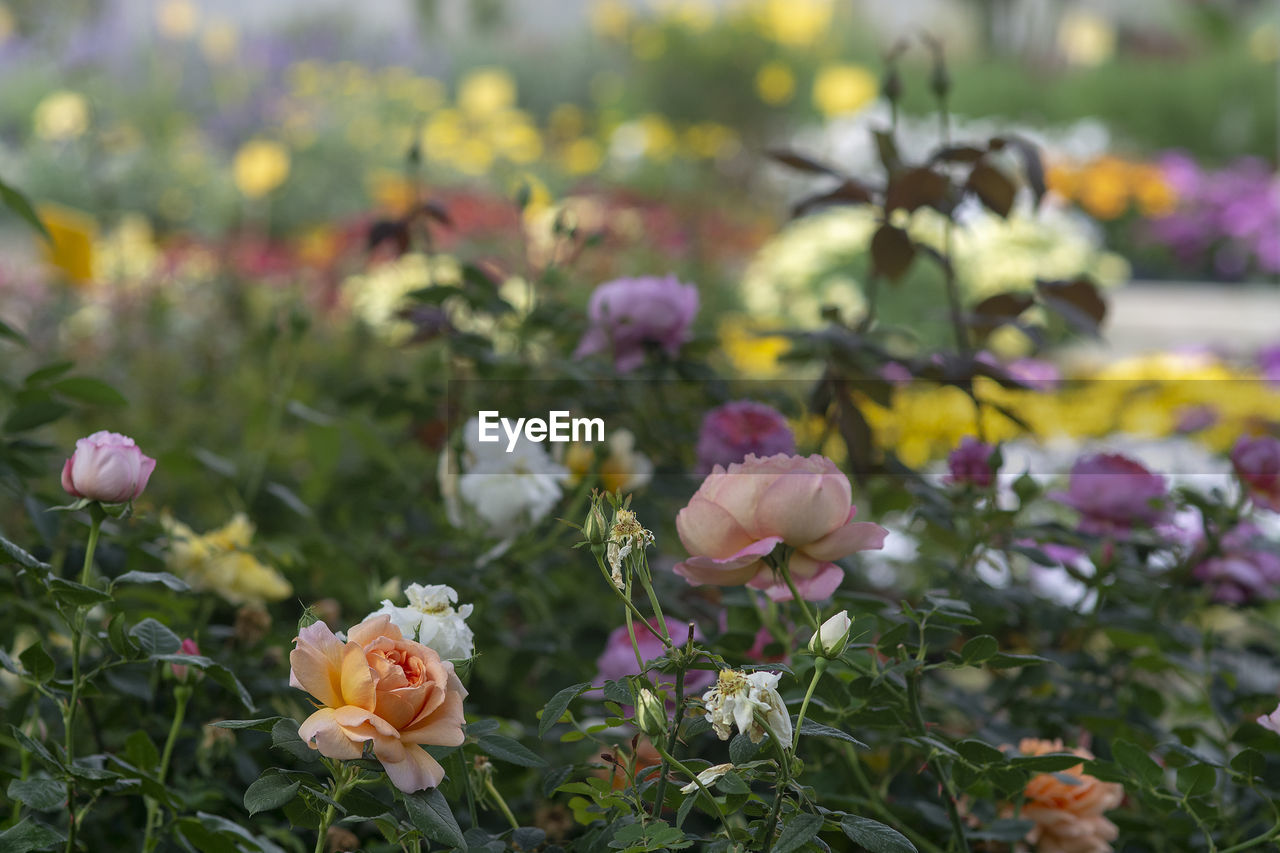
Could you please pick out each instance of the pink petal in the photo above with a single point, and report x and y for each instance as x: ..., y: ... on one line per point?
x: 852, y: 536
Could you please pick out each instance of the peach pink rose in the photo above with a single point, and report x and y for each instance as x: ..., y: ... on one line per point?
x: 740, y: 514
x: 1068, y: 817
x: 379, y: 688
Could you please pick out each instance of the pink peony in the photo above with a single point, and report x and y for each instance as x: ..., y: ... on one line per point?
x: 731, y: 431
x: 1114, y: 493
x: 629, y: 315
x: 107, y: 467
x: 1257, y: 464
x: 970, y: 463
x: 1242, y: 572
x: 740, y: 514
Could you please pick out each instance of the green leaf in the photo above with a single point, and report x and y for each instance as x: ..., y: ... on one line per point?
x: 34, y: 414
x: 140, y: 750
x: 270, y: 791
x: 37, y: 662
x: 1008, y: 661
x: 557, y: 705
x: 509, y: 750
x: 979, y: 649
x: 797, y: 832
x: 41, y: 794
x: 9, y: 332
x: 76, y: 594
x: 18, y: 203
x: 814, y: 729
x: 741, y: 749
x: 174, y: 583
x: 155, y: 638
x: 431, y: 816
x: 41, y: 375
x: 263, y: 724
x: 1249, y: 762
x: 21, y: 557
x: 1195, y: 780
x: 92, y: 391
x: 27, y: 835
x: 980, y: 752
x: 284, y: 737
x: 875, y: 836
x: 1136, y: 760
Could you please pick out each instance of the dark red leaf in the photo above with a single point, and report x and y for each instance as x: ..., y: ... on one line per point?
x: 891, y: 251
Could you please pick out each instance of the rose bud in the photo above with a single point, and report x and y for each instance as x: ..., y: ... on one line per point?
x: 180, y: 671
x: 832, y: 637
x: 107, y: 467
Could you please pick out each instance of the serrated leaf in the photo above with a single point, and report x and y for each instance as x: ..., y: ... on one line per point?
x: 1048, y: 763
x: 1135, y: 759
x: 263, y: 724
x: 979, y: 649
x: 430, y: 815
x: 980, y: 752
x: 1195, y: 780
x: 797, y: 832
x: 27, y: 835
x: 155, y: 638
x: 174, y: 583
x: 814, y: 729
x: 270, y: 792
x: 509, y: 750
x: 875, y: 836
x: 556, y: 706
x: 41, y: 794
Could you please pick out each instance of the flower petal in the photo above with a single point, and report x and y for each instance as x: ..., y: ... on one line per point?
x: 415, y: 772
x: 850, y: 537
x: 358, y: 687
x: 322, y: 732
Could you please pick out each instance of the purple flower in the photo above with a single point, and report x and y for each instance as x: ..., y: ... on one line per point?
x: 619, y: 659
x: 629, y: 315
x: 1257, y: 464
x: 1243, y: 572
x: 731, y: 431
x: 1269, y: 363
x: 970, y: 464
x: 1114, y: 493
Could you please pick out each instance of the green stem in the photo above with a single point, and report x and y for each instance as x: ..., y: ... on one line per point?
x: 878, y: 806
x: 182, y: 694
x: 76, y: 623
x: 819, y: 667
x: 343, y: 781
x: 1274, y: 832
x: 660, y: 791
x: 784, y: 779
x: 935, y: 767
x: 785, y: 570
x: 502, y: 804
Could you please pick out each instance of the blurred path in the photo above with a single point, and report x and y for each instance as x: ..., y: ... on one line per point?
x: 1146, y: 316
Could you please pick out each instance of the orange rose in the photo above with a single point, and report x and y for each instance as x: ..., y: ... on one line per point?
x: 378, y: 687
x: 1068, y: 818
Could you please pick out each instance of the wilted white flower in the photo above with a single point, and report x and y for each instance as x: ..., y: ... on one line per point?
x: 832, y: 637
x: 507, y: 492
x: 736, y: 697
x: 625, y: 535
x: 707, y: 777
x: 432, y: 619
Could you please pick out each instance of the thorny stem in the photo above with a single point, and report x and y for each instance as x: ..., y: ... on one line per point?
x: 76, y: 622
x: 660, y: 791
x: 343, y: 781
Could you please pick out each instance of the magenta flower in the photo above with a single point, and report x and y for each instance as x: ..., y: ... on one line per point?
x: 1114, y: 493
x: 619, y: 660
x: 970, y: 464
x: 1257, y: 464
x: 740, y: 514
x: 630, y: 315
x: 1243, y: 572
x: 107, y: 467
x: 732, y: 431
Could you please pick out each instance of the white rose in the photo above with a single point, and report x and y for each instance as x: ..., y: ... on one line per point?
x: 431, y: 619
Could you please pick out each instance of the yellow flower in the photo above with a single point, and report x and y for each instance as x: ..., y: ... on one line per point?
x: 72, y: 235
x: 177, y: 19
x: 485, y: 91
x: 751, y: 353
x: 795, y: 23
x: 220, y: 561
x: 219, y: 42
x: 260, y: 166
x: 61, y: 115
x: 1086, y: 38
x: 582, y: 156
x: 842, y: 89
x: 710, y: 140
x: 775, y: 83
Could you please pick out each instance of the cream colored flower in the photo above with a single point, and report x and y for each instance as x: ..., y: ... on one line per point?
x: 735, y: 699
x: 61, y: 115
x: 625, y: 535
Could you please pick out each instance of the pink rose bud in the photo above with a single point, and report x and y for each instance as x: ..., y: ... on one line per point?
x: 189, y: 647
x: 1257, y: 464
x: 107, y: 467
